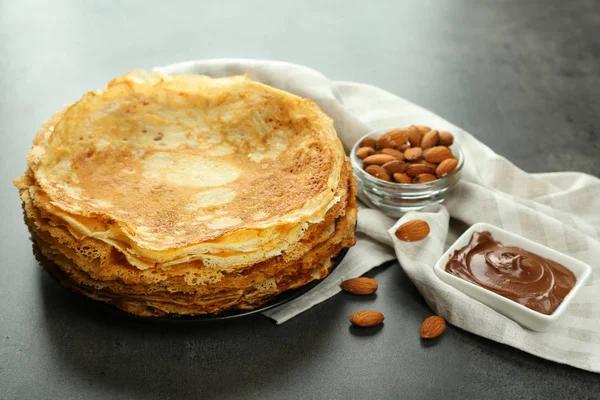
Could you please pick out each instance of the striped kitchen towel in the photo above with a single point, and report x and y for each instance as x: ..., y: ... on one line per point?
x: 560, y: 210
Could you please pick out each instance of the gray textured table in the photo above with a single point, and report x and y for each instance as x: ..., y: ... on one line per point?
x: 523, y: 76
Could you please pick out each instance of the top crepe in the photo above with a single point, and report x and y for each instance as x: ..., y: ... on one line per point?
x: 168, y: 168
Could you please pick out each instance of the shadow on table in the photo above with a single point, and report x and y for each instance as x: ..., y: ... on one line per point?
x: 134, y: 357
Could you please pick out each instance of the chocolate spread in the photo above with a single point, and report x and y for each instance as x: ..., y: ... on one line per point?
x: 531, y: 280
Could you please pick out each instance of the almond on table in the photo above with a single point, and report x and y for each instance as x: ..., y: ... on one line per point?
x: 360, y: 286
x: 412, y: 231
x: 433, y: 327
x: 366, y: 318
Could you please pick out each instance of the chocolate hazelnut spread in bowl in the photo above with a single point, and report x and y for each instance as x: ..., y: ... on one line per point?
x: 512, y: 272
x: 526, y: 281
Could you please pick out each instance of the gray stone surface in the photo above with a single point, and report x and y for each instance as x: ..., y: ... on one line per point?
x: 523, y: 76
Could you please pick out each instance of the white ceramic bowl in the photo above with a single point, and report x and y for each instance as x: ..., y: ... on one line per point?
x: 517, y: 312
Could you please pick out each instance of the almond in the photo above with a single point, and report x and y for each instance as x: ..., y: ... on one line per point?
x: 430, y: 165
x: 418, y: 169
x: 393, y: 138
x: 446, y: 138
x: 446, y: 166
x: 378, y: 159
x: 369, y: 141
x: 423, y: 129
x: 414, y: 136
x: 362, y: 286
x: 425, y: 151
x: 422, y: 178
x: 394, y: 153
x: 430, y: 139
x: 433, y: 327
x: 402, y: 178
x: 366, y: 318
x: 365, y: 152
x: 394, y: 167
x: 413, y: 153
x: 403, y: 147
x: 438, y: 154
x: 378, y: 172
x: 413, y: 230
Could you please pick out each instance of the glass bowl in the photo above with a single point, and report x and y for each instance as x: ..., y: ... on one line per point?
x: 393, y: 198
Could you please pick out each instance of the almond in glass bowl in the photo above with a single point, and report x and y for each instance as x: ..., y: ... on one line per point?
x: 398, y: 157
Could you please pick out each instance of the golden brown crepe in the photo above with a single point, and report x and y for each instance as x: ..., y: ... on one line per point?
x: 188, y: 195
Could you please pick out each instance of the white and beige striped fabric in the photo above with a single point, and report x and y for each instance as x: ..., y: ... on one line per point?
x: 560, y: 210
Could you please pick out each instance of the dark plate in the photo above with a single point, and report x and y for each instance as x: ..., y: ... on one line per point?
x: 278, y: 300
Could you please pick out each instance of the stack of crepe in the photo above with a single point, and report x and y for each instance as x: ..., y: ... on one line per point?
x: 187, y: 195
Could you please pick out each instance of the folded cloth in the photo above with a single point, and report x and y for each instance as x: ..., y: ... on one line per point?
x: 559, y: 210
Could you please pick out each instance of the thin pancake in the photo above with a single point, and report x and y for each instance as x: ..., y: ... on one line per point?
x: 188, y: 195
x: 314, y: 265
x: 107, y: 264
x: 173, y: 161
